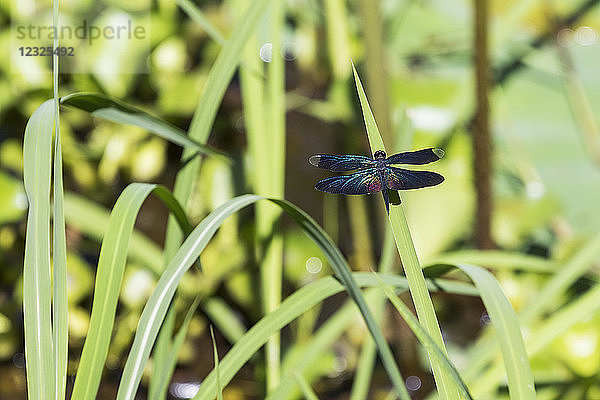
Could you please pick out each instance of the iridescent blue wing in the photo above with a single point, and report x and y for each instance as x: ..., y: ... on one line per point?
x: 338, y: 163
x: 362, y: 182
x: 418, y: 157
x: 403, y: 179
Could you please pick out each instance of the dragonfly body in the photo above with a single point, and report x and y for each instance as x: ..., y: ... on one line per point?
x: 377, y: 173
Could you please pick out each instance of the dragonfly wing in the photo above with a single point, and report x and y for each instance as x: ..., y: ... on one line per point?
x: 418, y: 157
x: 403, y: 179
x: 340, y: 163
x: 363, y: 182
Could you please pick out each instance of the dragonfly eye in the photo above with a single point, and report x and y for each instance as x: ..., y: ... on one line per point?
x: 379, y: 155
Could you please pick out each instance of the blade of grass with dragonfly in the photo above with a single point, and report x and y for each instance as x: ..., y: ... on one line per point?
x: 410, y: 262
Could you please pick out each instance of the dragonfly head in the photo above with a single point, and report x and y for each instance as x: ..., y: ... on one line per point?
x: 379, y: 155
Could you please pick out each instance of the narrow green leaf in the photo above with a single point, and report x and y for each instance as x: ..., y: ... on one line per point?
x: 60, y: 317
x: 218, y: 79
x: 60, y: 305
x: 37, y: 290
x: 92, y: 220
x: 507, y: 328
x: 111, y: 265
x: 497, y: 259
x: 216, y: 367
x: 424, y: 338
x: 307, y: 391
x: 159, y: 301
x: 297, y: 303
x: 167, y: 366
x: 579, y: 310
x: 114, y: 110
x: 196, y: 15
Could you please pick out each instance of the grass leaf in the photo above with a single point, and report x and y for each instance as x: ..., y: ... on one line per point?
x: 105, y: 107
x: 111, y: 265
x: 37, y: 290
x: 424, y: 338
x: 294, y: 305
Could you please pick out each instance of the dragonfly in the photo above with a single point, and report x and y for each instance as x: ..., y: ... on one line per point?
x: 377, y: 174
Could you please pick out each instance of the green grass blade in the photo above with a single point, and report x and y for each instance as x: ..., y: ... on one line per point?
x: 581, y: 309
x: 216, y: 368
x: 577, y: 266
x: 111, y: 265
x: 408, y: 255
x: 166, y: 366
x: 507, y: 328
x: 37, y: 153
x: 105, y: 107
x: 366, y: 360
x: 270, y: 182
x: 294, y: 305
x: 218, y: 79
x: 497, y: 259
x: 307, y: 391
x: 424, y: 338
x: 92, y: 220
x: 60, y: 305
x: 161, y: 370
x: 343, y: 272
x: 196, y: 15
x: 156, y: 307
x: 224, y: 318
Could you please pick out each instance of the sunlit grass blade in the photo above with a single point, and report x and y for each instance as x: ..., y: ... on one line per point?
x: 115, y: 110
x: 206, y: 110
x: 92, y: 220
x: 59, y: 275
x: 224, y: 318
x: 424, y: 338
x: 343, y: 272
x: 498, y: 259
x: 508, y: 332
x: 271, y: 182
x: 111, y: 265
x: 307, y: 391
x: 60, y: 317
x: 156, y: 308
x: 581, y: 309
x: 216, y: 367
x: 297, y: 303
x: 37, y: 290
x: 198, y: 17
x: 166, y: 366
x: 541, y: 302
x: 408, y: 255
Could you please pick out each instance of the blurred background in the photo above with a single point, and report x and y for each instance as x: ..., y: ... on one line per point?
x: 533, y: 188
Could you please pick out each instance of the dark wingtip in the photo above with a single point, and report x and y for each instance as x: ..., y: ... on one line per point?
x: 314, y: 160
x: 438, y: 152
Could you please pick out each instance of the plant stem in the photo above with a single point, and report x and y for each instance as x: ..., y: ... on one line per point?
x: 482, y: 146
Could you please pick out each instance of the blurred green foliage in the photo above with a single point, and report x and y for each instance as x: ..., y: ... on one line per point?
x: 546, y: 181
